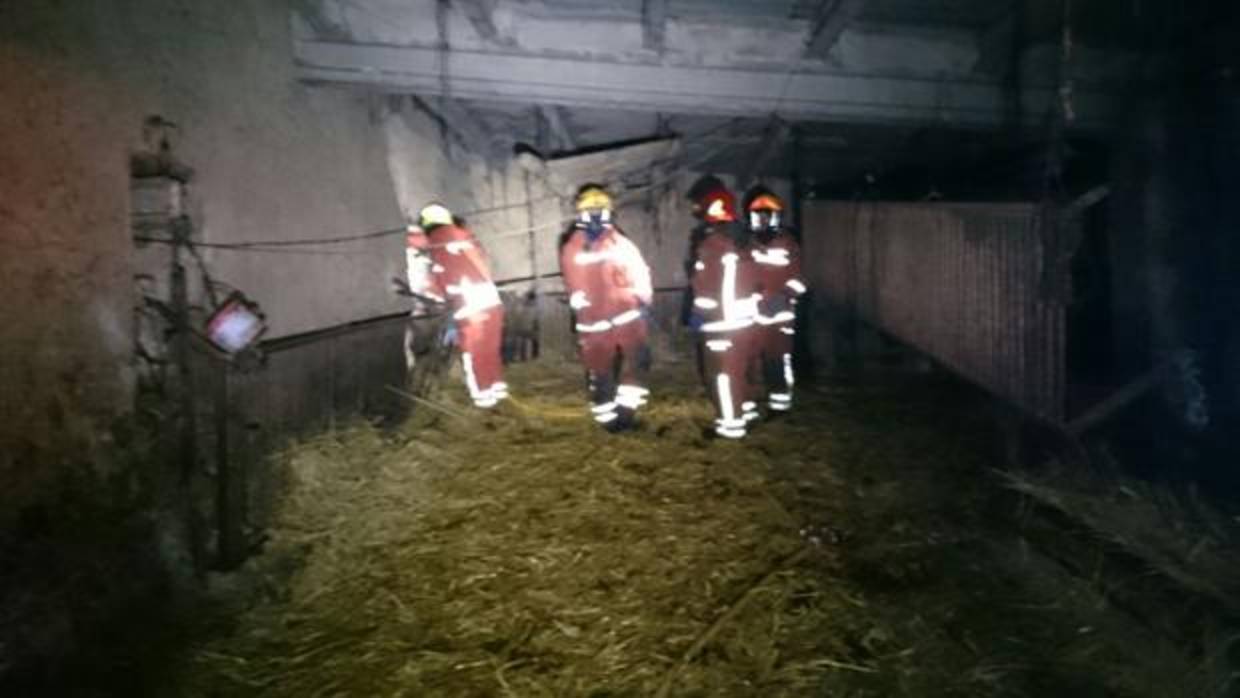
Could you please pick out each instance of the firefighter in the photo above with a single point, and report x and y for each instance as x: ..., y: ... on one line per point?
x: 609, y: 290
x: 725, y: 306
x: 696, y: 195
x: 777, y: 262
x: 459, y: 276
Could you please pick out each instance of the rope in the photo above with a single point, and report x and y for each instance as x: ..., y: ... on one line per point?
x: 548, y: 413
x: 431, y: 404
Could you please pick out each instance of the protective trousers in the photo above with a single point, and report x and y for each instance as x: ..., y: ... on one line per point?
x: 481, y: 337
x: 616, y: 362
x: 776, y: 342
x: 729, y: 359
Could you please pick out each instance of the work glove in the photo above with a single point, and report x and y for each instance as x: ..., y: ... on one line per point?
x: 646, y: 311
x: 696, y: 321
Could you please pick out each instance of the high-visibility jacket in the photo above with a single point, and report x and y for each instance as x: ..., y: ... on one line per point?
x: 458, y: 270
x: 725, y: 296
x: 607, y: 280
x: 777, y: 268
x: 725, y: 284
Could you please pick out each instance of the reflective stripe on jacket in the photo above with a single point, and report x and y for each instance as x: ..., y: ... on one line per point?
x: 725, y: 284
x: 459, y: 273
x: 607, y: 280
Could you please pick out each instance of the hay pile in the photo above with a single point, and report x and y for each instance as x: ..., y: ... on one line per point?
x: 1180, y: 577
x: 536, y: 556
x: 1177, y: 533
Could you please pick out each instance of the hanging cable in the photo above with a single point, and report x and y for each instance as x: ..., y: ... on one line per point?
x: 445, y: 141
x: 285, y: 245
x: 267, y: 245
x: 208, y: 284
x: 503, y: 235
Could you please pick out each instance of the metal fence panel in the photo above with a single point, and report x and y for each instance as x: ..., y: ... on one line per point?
x: 960, y: 282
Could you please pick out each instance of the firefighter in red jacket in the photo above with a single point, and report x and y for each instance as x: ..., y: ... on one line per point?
x: 447, y: 264
x: 609, y: 290
x: 725, y: 308
x: 777, y: 262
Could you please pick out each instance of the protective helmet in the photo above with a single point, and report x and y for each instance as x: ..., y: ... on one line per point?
x: 702, y: 185
x: 762, y: 199
x: 593, y: 197
x: 716, y: 206
x: 764, y: 209
x: 434, y: 214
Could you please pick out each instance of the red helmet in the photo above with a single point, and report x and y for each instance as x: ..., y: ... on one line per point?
x: 716, y: 206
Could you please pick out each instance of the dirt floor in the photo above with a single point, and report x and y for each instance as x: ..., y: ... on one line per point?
x: 861, y: 546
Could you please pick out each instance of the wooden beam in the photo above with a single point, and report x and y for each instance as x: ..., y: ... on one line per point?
x: 1126, y: 395
x: 654, y: 25
x: 1088, y: 200
x: 832, y: 18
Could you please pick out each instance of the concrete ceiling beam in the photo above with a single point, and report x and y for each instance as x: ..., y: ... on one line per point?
x: 556, y: 80
x: 654, y: 25
x: 481, y: 14
x: 470, y: 129
x: 557, y: 122
x: 832, y: 18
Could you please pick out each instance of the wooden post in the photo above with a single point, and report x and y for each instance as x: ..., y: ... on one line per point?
x: 798, y: 188
x: 187, y: 405
x: 535, y: 286
x: 228, y: 512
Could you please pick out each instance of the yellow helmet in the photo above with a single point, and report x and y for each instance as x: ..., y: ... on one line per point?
x: 434, y: 214
x: 592, y: 197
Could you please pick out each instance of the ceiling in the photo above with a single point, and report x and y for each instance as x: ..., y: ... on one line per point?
x: 830, y: 89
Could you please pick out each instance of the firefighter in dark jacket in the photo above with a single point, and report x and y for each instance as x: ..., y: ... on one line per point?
x: 697, y: 195
x: 447, y: 264
x: 725, y: 308
x: 777, y: 263
x: 609, y: 289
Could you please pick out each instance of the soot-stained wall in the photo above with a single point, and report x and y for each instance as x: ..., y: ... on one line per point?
x: 274, y: 160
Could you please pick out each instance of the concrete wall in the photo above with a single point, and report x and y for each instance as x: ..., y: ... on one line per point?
x: 64, y: 183
x: 274, y: 160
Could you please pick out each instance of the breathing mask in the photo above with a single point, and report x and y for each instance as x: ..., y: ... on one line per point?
x: 595, y: 221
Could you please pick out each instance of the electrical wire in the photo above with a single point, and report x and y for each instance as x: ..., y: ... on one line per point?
x: 507, y: 234
x: 270, y: 245
x: 208, y: 283
x: 296, y: 246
